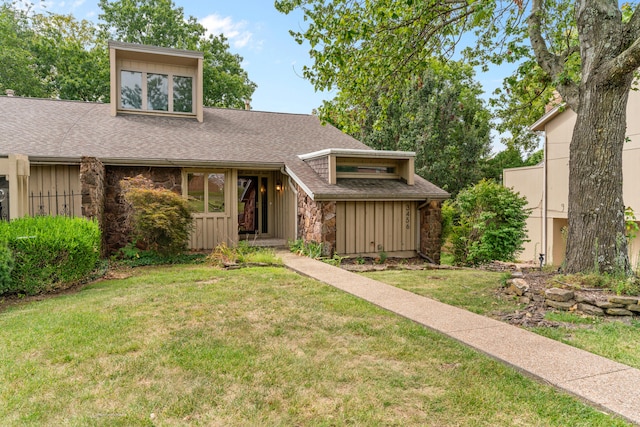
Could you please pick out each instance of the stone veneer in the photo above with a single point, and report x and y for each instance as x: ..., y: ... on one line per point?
x: 431, y: 230
x: 117, y: 230
x: 92, y: 174
x: 317, y: 222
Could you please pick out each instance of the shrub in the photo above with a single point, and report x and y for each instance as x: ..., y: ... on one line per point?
x: 161, y: 219
x: 6, y: 267
x: 49, y: 253
x: 489, y: 223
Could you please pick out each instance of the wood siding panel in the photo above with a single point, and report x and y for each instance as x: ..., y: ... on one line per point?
x: 367, y: 228
x: 48, y: 181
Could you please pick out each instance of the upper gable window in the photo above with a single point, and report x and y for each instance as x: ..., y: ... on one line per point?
x: 153, y: 92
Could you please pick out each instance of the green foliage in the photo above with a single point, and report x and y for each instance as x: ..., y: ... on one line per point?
x: 617, y: 283
x: 439, y: 115
x: 241, y: 254
x: 489, y: 224
x: 335, y: 260
x: 131, y: 256
x: 161, y: 219
x: 50, y: 253
x: 630, y: 224
x: 310, y: 249
x: 6, y: 267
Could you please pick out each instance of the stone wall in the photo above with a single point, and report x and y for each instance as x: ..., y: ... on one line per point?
x: 569, y: 300
x: 92, y: 174
x: 317, y: 222
x: 431, y: 230
x: 117, y: 230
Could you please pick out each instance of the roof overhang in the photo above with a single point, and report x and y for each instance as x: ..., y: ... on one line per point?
x: 185, y: 163
x: 363, y: 153
x: 548, y: 116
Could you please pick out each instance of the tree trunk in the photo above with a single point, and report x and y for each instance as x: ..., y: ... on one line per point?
x: 596, y: 238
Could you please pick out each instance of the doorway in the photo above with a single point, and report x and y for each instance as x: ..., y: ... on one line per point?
x: 252, y: 205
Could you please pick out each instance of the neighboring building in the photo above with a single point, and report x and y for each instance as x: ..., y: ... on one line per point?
x: 249, y: 174
x: 546, y: 185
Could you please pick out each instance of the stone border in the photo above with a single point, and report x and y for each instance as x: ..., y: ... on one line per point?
x: 569, y: 300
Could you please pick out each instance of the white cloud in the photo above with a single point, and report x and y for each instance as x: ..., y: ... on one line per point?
x: 237, y: 33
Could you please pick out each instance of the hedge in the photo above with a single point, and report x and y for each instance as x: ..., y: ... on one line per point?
x: 48, y: 253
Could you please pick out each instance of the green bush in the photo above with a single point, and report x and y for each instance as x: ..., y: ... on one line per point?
x: 49, y: 253
x: 161, y: 219
x: 488, y: 223
x: 6, y: 267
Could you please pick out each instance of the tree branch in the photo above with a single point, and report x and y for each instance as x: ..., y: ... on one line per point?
x: 549, y: 62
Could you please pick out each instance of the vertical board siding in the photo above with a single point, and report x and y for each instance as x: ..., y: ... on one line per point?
x: 371, y: 227
x: 49, y: 180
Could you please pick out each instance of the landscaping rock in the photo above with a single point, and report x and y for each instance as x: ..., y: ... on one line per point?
x: 623, y: 300
x: 590, y: 309
x: 634, y: 308
x: 607, y: 305
x: 517, y: 286
x: 560, y: 305
x: 586, y: 299
x: 618, y: 312
x: 559, y: 295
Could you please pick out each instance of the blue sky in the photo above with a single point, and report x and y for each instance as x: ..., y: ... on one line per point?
x: 260, y: 34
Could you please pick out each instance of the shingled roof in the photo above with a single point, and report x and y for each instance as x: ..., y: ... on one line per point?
x: 65, y: 131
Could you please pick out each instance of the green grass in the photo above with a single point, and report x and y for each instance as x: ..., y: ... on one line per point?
x: 192, y: 345
x: 478, y: 291
x: 474, y: 290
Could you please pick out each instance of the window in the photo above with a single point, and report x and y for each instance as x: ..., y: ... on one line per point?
x: 205, y: 192
x: 131, y: 89
x: 156, y: 92
x: 182, y: 94
x: 366, y: 168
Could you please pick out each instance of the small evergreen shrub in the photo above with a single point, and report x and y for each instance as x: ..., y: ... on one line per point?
x: 49, y: 253
x: 161, y: 219
x: 488, y: 223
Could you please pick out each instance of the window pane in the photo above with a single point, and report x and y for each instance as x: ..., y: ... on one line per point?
x: 216, y: 192
x: 195, y: 191
x: 182, y: 94
x: 130, y: 89
x: 157, y: 92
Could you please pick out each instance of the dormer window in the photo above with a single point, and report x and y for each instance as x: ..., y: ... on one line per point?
x: 153, y: 80
x: 152, y: 92
x: 336, y: 163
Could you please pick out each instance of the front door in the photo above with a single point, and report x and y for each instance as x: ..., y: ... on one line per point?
x: 252, y: 205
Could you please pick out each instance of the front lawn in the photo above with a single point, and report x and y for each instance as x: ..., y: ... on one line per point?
x: 192, y: 345
x: 478, y: 291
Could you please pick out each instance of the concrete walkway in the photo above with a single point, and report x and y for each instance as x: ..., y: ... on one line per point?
x: 608, y: 385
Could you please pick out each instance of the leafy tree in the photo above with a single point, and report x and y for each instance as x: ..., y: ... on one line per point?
x: 161, y: 23
x: 17, y: 61
x: 439, y: 115
x: 70, y: 58
x: 588, y: 50
x: 487, y: 222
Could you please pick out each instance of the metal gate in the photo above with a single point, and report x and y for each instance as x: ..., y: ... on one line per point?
x: 4, y: 199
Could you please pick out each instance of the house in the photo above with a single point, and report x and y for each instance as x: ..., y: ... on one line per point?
x: 546, y: 185
x: 249, y: 174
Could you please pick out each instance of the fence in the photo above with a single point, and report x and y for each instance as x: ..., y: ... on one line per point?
x: 54, y: 204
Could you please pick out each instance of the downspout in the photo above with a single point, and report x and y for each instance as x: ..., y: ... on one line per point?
x: 543, y: 249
